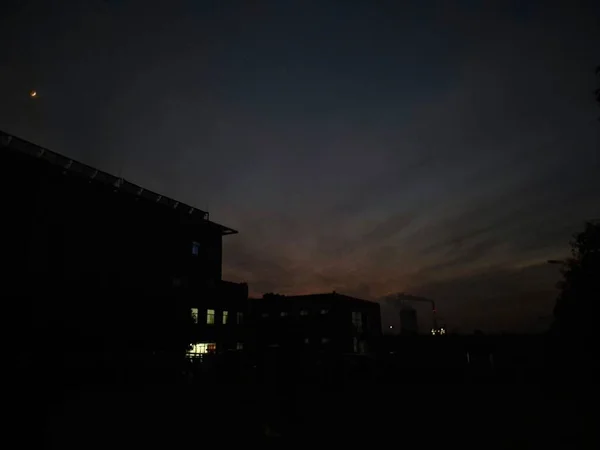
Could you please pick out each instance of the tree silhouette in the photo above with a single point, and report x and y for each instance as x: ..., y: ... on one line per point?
x: 581, y: 273
x: 580, y: 286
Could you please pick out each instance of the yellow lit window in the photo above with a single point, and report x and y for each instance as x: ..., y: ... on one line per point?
x: 210, y: 316
x: 201, y: 348
x: 194, y: 313
x: 225, y: 316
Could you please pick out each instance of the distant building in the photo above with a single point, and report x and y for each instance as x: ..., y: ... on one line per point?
x: 408, y: 320
x: 327, y: 322
x: 109, y: 262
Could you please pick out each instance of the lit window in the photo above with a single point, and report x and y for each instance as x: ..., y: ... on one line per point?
x: 324, y: 311
x: 324, y: 340
x: 239, y: 346
x: 304, y: 312
x: 284, y: 313
x: 357, y: 321
x: 210, y: 316
x: 195, y: 248
x: 194, y: 313
x: 225, y: 316
x: 201, y: 348
x: 239, y: 317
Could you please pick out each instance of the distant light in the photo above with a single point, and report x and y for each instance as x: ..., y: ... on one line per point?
x: 391, y: 326
x: 33, y: 94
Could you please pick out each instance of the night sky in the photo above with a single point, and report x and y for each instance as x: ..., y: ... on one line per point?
x: 445, y: 149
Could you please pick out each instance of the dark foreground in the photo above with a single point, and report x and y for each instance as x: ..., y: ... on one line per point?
x: 391, y: 406
x: 424, y: 415
x: 423, y: 393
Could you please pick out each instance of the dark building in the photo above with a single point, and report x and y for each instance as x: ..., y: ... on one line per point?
x: 92, y: 255
x: 408, y: 320
x: 327, y: 322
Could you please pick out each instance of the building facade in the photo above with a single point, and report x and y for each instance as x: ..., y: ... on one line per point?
x: 99, y: 259
x: 219, y: 320
x: 328, y: 322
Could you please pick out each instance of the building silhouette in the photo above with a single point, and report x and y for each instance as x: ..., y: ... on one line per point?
x: 99, y: 262
x: 328, y: 322
x: 408, y: 320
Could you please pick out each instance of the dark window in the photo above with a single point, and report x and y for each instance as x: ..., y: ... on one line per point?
x: 357, y: 321
x: 195, y: 248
